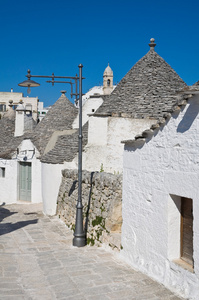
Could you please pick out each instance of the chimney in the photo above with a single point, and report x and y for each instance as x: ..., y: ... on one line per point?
x: 11, y: 90
x: 19, y: 119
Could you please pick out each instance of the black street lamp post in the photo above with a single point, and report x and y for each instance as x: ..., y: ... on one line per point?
x: 79, y: 239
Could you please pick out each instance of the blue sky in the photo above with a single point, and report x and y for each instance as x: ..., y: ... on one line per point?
x: 56, y: 36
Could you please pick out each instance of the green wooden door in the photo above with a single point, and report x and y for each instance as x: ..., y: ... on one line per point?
x: 25, y: 181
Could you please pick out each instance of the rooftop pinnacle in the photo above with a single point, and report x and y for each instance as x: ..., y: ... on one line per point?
x: 152, y: 44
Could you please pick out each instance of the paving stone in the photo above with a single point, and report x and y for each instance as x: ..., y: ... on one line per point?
x: 36, y: 264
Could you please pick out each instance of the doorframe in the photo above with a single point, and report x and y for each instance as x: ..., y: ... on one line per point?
x: 18, y: 181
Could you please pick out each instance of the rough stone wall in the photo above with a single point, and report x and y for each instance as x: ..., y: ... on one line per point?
x: 102, y: 201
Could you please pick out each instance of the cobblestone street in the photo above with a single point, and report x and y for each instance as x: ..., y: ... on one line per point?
x: 38, y: 262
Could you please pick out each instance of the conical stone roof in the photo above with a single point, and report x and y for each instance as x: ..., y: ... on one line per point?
x: 59, y: 117
x: 66, y: 147
x: 57, y: 122
x: 196, y: 84
x: 8, y: 143
x: 147, y: 90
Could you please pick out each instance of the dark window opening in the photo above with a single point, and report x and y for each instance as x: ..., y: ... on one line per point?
x: 187, y: 230
x: 2, y: 107
x: 2, y: 172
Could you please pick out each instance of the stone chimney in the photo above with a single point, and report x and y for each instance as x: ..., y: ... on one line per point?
x: 23, y: 120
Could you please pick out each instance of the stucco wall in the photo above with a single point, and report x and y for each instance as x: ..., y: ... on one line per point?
x: 89, y: 107
x: 5, y: 97
x: 8, y: 184
x: 51, y: 179
x: 104, y: 141
x: 36, y: 181
x: 29, y: 153
x: 155, y: 174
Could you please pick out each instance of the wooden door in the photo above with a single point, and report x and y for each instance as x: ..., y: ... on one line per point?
x: 25, y: 180
x: 187, y: 230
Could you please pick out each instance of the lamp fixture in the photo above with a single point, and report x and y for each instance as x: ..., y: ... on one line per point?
x: 29, y: 83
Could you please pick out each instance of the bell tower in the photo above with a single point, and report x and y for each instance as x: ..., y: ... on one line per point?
x: 107, y: 80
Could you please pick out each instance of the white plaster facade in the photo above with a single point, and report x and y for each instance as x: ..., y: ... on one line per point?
x: 155, y: 176
x: 51, y: 180
x: 104, y: 141
x: 42, y: 111
x: 91, y: 101
x: 29, y: 102
x: 89, y: 107
x: 9, y: 184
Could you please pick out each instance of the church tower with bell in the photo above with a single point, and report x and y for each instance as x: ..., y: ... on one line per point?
x: 107, y: 80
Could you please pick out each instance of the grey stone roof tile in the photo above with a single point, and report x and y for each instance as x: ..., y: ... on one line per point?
x: 7, y: 141
x: 147, y: 134
x: 59, y: 117
x: 196, y: 84
x: 66, y: 147
x: 147, y: 90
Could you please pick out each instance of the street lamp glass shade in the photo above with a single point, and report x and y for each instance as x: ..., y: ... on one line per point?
x: 29, y: 83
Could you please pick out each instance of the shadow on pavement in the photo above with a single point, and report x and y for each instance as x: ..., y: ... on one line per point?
x: 9, y: 227
x: 4, y: 212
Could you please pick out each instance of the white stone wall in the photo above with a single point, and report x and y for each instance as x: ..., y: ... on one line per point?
x: 8, y: 184
x: 89, y: 107
x: 155, y: 176
x: 5, y: 97
x: 51, y: 180
x: 28, y: 152
x: 104, y: 141
x: 19, y: 123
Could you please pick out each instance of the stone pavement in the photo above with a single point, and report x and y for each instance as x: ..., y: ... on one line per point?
x: 38, y: 261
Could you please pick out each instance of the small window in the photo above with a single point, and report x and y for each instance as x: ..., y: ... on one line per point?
x: 187, y: 230
x: 93, y: 110
x: 2, y: 172
x: 108, y: 82
x: 2, y: 107
x: 180, y: 231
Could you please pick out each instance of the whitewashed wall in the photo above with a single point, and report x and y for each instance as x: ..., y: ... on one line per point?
x: 51, y: 180
x: 28, y: 151
x: 5, y: 97
x: 166, y: 167
x: 8, y: 184
x: 104, y: 141
x: 89, y: 107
